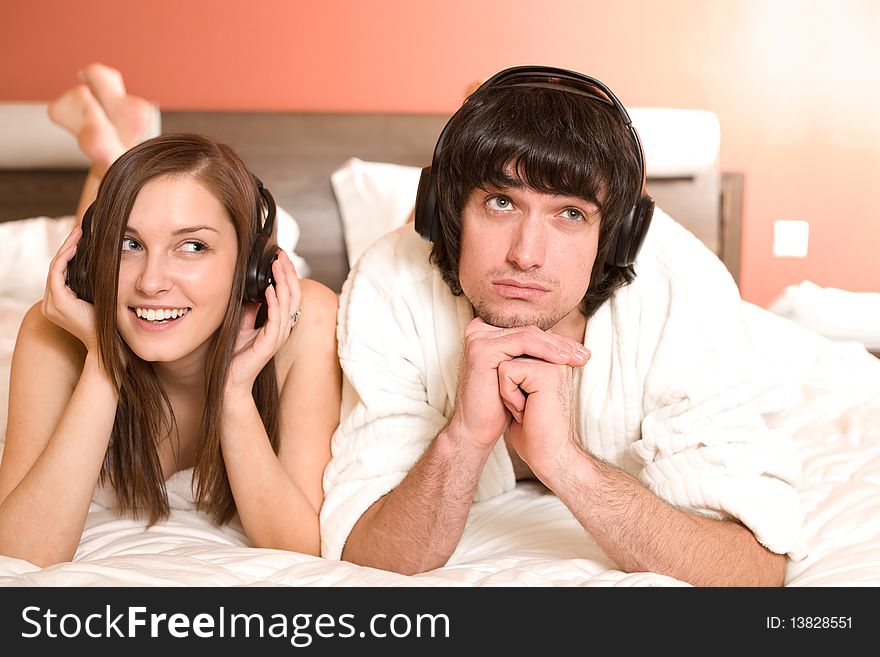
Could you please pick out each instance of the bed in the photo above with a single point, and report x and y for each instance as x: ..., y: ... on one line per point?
x: 345, y: 179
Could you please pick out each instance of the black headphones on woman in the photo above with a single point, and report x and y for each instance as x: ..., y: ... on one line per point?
x: 634, y: 228
x: 258, y: 273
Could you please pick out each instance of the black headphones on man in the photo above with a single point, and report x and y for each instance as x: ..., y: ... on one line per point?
x: 258, y: 273
x: 634, y: 228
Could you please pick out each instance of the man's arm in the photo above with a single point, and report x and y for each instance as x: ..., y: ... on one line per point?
x: 416, y: 527
x: 635, y: 528
x: 640, y: 532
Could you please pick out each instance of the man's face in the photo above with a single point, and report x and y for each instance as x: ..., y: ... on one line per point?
x: 526, y: 256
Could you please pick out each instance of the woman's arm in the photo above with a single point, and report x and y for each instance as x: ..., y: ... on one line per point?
x: 62, y: 405
x: 278, y: 498
x: 61, y: 410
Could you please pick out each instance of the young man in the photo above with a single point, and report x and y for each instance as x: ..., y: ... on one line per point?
x: 523, y: 339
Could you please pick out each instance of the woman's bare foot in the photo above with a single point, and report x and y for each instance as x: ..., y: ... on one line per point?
x: 129, y: 114
x: 105, y: 120
x: 77, y: 111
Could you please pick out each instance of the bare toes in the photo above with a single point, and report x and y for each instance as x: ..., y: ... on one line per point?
x: 130, y: 115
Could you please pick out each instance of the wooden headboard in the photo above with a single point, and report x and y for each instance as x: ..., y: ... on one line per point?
x: 296, y: 153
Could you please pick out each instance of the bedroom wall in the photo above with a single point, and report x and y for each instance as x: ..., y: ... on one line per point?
x: 794, y: 82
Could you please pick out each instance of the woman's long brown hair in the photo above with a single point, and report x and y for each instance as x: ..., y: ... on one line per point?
x: 144, y: 416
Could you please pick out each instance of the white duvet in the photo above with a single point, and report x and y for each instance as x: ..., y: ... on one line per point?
x: 525, y: 537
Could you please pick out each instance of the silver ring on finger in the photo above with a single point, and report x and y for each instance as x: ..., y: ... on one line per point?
x: 294, y: 317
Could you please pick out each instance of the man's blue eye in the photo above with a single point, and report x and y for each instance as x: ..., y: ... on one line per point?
x: 499, y: 203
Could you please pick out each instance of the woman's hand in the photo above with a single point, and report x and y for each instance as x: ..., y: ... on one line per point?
x: 60, y: 304
x: 255, y: 347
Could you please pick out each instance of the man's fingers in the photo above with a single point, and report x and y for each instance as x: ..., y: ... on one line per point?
x: 493, y: 350
x: 517, y: 415
x: 511, y: 376
x: 526, y: 341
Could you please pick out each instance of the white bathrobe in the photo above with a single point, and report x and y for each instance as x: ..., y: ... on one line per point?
x: 673, y: 392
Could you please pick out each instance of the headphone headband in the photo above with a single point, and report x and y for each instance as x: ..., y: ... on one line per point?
x: 268, y: 227
x: 556, y: 78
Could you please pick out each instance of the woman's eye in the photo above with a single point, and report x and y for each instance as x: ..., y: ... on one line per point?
x: 130, y: 244
x: 498, y: 203
x: 194, y: 246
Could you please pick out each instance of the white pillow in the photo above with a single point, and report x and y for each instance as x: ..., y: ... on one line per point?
x: 30, y: 244
x: 288, y: 238
x: 840, y: 315
x: 677, y: 142
x: 374, y: 198
x: 28, y: 247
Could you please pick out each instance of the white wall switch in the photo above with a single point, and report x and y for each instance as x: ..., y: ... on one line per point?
x: 790, y: 238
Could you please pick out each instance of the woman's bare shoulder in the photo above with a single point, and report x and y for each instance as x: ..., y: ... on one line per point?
x: 39, y: 339
x: 317, y: 323
x: 314, y: 335
x: 319, y: 300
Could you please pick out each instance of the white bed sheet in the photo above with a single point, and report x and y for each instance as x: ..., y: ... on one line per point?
x: 526, y: 537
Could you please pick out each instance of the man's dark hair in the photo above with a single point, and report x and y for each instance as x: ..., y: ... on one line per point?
x: 551, y: 141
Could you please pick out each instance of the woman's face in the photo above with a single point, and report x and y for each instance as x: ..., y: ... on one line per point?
x: 176, y: 270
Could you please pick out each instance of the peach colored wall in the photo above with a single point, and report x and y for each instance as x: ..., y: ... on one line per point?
x: 795, y: 82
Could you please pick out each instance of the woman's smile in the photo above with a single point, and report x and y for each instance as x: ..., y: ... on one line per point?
x: 158, y: 319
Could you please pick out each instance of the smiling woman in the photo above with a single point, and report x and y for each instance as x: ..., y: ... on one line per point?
x: 184, y: 358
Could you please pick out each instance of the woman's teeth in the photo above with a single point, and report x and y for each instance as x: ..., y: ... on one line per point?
x: 160, y: 314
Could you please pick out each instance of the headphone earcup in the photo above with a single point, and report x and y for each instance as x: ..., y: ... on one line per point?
x: 259, y: 269
x: 426, y: 217
x: 264, y: 251
x: 77, y: 267
x: 631, y: 235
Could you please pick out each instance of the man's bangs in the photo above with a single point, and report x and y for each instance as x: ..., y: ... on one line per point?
x: 531, y: 161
